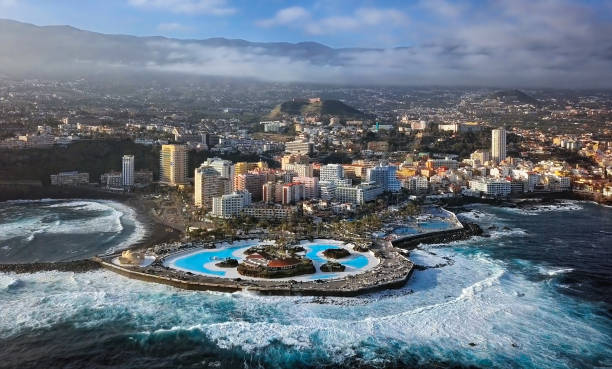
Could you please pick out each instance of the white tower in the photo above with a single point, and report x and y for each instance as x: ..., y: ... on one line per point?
x: 127, y: 173
x: 498, y: 144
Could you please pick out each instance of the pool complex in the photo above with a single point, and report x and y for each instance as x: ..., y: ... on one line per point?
x: 203, y: 261
x: 432, y: 225
x: 200, y: 261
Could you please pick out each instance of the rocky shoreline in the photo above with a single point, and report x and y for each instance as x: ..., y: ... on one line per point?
x: 78, y: 266
x: 411, y: 242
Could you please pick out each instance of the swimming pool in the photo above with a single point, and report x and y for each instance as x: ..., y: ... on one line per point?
x: 203, y: 261
x: 356, y: 261
x: 431, y: 225
x: 200, y: 262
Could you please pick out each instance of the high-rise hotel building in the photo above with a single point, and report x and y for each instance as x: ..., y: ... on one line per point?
x: 173, y: 164
x: 127, y: 172
x: 208, y: 184
x: 498, y: 144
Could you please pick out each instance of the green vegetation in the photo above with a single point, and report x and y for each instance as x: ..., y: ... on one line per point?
x: 510, y: 96
x: 95, y: 157
x: 324, y: 107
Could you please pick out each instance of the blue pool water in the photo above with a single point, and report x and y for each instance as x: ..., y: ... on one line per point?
x: 535, y: 296
x: 197, y: 262
x: 424, y: 227
x: 357, y: 262
x: 405, y: 231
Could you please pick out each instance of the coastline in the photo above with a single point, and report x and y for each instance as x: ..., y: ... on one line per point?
x: 154, y: 231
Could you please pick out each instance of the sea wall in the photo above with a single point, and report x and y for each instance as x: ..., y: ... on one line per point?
x: 78, y: 266
x: 393, y: 272
x: 412, y: 241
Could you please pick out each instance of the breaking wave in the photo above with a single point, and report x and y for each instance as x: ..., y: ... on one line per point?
x: 74, y: 228
x: 474, y: 307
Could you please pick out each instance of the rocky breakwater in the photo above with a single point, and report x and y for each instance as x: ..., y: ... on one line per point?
x: 77, y: 266
x: 468, y: 230
x: 393, y: 271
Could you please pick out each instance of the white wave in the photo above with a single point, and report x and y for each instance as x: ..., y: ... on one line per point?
x: 29, y: 201
x: 566, y: 205
x: 128, y: 215
x: 477, y: 216
x: 19, y: 228
x: 110, y: 219
x: 11, y: 283
x: 427, y: 258
x: 474, y: 299
x: 499, y: 233
x: 551, y: 272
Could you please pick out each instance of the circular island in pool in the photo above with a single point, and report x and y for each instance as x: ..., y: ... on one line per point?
x: 257, y: 259
x: 301, y: 268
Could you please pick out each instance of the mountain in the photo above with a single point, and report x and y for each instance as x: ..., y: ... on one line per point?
x: 515, y: 97
x: 39, y: 51
x: 318, y: 107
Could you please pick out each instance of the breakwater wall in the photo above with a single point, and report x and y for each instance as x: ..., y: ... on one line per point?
x: 77, y: 266
x: 468, y: 230
x: 393, y: 272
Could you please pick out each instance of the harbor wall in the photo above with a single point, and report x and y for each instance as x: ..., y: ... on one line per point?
x: 409, y: 242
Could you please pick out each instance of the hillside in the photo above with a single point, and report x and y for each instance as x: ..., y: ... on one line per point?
x: 94, y: 157
x: 322, y: 108
x: 515, y: 97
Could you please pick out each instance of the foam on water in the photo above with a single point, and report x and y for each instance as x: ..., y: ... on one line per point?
x: 104, y: 220
x: 566, y: 205
x: 472, y: 300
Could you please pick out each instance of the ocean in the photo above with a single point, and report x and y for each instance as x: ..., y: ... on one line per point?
x: 62, y: 230
x: 536, y: 294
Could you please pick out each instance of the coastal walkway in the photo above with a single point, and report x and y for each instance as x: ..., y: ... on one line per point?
x: 393, y: 271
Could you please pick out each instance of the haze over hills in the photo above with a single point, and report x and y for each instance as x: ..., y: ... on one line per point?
x: 316, y: 107
x: 66, y: 52
x: 515, y: 96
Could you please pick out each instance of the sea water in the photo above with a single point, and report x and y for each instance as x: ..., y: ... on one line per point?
x: 536, y: 295
x: 60, y: 230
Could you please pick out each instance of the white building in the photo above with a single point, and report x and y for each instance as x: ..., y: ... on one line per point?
x: 127, y: 171
x: 498, y: 144
x: 491, y: 187
x: 327, y: 190
x: 272, y: 126
x: 359, y: 194
x: 301, y: 170
x: 269, y: 211
x: 385, y: 176
x: 334, y: 173
x: 416, y: 184
x: 311, y: 186
x: 230, y: 205
x: 437, y: 163
x: 208, y: 184
x: 225, y: 168
x: 70, y: 179
x: 298, y: 147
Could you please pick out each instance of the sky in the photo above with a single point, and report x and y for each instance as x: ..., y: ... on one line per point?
x: 559, y: 42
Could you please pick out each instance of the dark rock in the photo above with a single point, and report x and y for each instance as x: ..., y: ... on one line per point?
x: 227, y: 263
x: 336, y: 253
x: 332, y: 266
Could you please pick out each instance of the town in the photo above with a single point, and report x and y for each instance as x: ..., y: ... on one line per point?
x: 310, y: 155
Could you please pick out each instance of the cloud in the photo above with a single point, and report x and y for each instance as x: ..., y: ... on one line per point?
x: 285, y: 17
x: 301, y: 18
x: 211, y: 7
x: 504, y: 43
x: 420, y: 65
x: 172, y: 27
